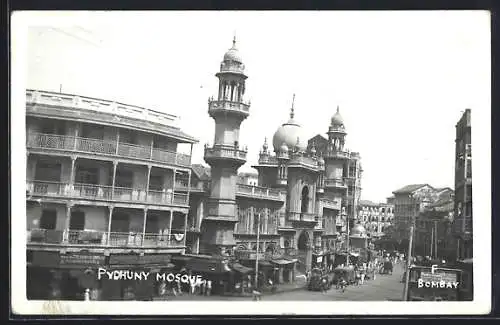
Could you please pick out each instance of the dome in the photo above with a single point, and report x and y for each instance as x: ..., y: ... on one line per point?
x: 337, y: 119
x: 233, y: 54
x: 358, y: 230
x: 290, y: 134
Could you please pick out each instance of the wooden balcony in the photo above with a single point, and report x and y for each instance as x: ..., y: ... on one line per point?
x: 66, y: 143
x: 104, y: 193
x: 97, y: 238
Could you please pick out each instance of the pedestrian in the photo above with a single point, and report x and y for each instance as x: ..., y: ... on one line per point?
x: 209, y: 288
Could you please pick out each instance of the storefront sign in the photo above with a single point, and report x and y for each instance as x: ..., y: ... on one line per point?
x: 82, y: 259
x: 140, y: 260
x: 319, y: 259
x: 47, y: 259
x: 248, y: 255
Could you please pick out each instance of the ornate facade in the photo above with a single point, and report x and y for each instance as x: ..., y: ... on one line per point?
x: 303, y: 188
x: 375, y: 217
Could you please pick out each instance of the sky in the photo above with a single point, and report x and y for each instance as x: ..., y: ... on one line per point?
x: 401, y: 79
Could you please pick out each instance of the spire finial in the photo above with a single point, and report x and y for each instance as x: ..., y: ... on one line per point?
x: 234, y: 39
x: 337, y: 108
x: 292, y: 113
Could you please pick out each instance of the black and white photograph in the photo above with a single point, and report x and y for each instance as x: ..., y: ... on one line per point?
x: 298, y: 162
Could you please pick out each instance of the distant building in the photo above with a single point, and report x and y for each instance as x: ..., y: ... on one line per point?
x: 375, y: 217
x: 433, y: 228
x: 248, y: 178
x: 462, y: 225
x: 409, y: 201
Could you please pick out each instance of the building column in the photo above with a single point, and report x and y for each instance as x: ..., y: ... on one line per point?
x: 185, y: 227
x: 170, y: 226
x: 67, y: 223
x: 280, y: 275
x: 197, y: 245
x: 115, y: 164
x: 117, y: 140
x: 72, y: 174
x: 110, y: 217
x: 147, y: 182
x: 75, y: 143
x: 152, y: 146
x: 144, y: 225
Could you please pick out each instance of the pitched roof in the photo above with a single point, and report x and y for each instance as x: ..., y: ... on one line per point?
x: 367, y: 203
x: 202, y: 172
x: 410, y: 188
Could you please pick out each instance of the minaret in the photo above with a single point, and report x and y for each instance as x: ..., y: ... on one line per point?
x: 226, y: 155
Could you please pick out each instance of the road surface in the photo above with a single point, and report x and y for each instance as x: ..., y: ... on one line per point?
x: 383, y: 288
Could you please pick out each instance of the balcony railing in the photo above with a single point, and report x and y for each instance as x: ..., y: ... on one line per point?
x: 267, y: 159
x: 337, y: 154
x: 335, y: 182
x: 270, y: 229
x: 227, y: 105
x: 231, y: 67
x: 261, y: 192
x: 225, y: 151
x: 103, y: 192
x: 302, y: 216
x: 96, y: 146
x: 100, y: 238
x: 303, y: 160
x: 93, y: 104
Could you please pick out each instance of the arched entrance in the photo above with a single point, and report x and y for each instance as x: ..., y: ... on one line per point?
x: 304, y: 252
x: 303, y: 241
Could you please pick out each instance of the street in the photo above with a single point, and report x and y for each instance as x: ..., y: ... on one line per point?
x: 383, y: 288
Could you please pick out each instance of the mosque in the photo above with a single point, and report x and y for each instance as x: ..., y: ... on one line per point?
x: 296, y: 216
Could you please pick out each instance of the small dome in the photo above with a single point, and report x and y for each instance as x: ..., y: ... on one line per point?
x: 233, y: 54
x: 337, y: 119
x: 321, y: 161
x: 358, y: 230
x: 264, y: 146
x: 284, y: 148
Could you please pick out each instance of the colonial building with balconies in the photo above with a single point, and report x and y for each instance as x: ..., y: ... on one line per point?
x: 462, y: 224
x: 106, y: 186
x: 375, y: 217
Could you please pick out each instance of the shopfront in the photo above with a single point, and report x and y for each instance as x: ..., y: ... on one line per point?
x: 51, y: 275
x: 141, y: 287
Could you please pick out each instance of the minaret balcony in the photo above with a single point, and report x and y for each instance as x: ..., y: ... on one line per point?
x: 335, y: 183
x: 337, y: 154
x: 265, y: 159
x: 225, y: 152
x: 232, y: 68
x: 216, y: 107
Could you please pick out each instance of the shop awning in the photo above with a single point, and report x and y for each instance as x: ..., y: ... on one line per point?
x: 207, y: 265
x: 241, y: 268
x: 284, y: 262
x: 265, y: 263
x: 181, y: 258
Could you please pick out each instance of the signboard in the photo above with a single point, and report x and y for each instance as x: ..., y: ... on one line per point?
x: 248, y: 255
x: 319, y: 259
x: 140, y: 260
x: 48, y: 259
x: 82, y: 259
x: 438, y: 276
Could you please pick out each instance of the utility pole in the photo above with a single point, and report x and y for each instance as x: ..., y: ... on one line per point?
x: 436, y: 239
x: 408, y: 262
x: 432, y: 242
x: 257, y: 253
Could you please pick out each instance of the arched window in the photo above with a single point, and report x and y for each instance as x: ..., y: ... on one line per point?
x: 305, y: 199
